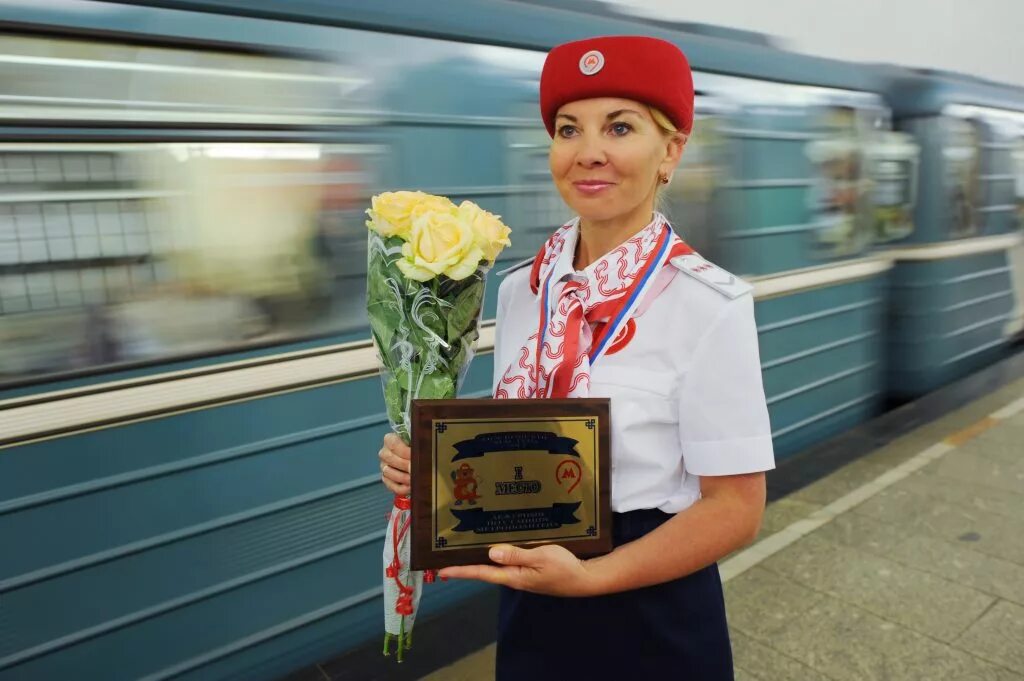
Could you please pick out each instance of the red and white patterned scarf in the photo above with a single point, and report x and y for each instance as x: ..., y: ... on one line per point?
x: 590, y: 310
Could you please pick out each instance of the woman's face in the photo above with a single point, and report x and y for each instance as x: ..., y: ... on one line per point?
x: 607, y: 155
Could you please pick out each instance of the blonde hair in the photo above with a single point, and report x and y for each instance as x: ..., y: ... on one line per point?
x: 662, y: 121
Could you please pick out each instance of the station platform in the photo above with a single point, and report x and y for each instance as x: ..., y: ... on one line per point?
x: 893, y: 552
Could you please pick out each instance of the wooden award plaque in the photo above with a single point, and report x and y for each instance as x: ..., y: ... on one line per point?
x: 522, y: 472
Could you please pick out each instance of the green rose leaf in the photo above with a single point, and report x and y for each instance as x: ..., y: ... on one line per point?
x: 385, y: 318
x: 459, y: 352
x: 437, y: 387
x: 407, y: 378
x: 394, y: 400
x: 464, y: 311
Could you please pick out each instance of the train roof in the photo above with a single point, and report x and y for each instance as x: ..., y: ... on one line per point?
x: 540, y: 24
x: 610, y: 9
x: 527, y: 25
x: 918, y: 92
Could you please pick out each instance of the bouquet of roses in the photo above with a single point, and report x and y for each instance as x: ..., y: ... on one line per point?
x: 426, y: 263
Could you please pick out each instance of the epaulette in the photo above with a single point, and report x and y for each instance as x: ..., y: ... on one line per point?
x: 729, y: 285
x: 513, y: 268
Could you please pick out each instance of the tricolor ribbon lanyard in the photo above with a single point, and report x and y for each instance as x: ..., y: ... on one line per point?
x: 610, y: 330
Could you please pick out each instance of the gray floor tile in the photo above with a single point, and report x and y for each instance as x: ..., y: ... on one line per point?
x: 918, y: 600
x: 847, y: 643
x: 843, y: 481
x: 760, y: 602
x: 988, y: 533
x: 767, y: 663
x: 782, y: 513
x: 998, y: 636
x: 1001, y: 447
x: 1004, y: 441
x: 965, y: 464
x: 744, y: 675
x: 863, y: 532
x: 965, y: 494
x: 956, y: 562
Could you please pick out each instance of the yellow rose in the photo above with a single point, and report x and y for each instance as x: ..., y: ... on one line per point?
x: 392, y: 213
x: 490, y: 234
x: 431, y: 204
x: 439, y: 243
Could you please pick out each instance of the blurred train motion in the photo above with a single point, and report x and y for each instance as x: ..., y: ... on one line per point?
x: 189, y: 405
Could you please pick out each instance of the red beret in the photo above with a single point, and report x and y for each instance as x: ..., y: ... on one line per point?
x: 647, y: 70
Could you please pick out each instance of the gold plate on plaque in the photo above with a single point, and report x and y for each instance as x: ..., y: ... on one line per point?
x: 522, y: 472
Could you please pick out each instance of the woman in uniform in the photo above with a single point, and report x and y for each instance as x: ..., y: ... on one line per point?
x: 616, y: 305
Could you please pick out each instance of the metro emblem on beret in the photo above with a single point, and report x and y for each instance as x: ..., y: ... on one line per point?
x: 591, y: 63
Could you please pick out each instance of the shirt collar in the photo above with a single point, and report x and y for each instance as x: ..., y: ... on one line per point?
x: 562, y: 269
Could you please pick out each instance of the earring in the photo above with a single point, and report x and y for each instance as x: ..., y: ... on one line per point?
x: 662, y: 178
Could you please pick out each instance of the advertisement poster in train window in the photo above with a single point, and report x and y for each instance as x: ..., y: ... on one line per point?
x: 961, y: 154
x: 119, y: 253
x: 840, y: 193
x: 893, y: 167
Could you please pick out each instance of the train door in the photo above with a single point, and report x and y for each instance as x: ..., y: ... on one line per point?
x: 1015, y: 326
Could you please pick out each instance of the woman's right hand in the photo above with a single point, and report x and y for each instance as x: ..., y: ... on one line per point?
x: 395, y: 461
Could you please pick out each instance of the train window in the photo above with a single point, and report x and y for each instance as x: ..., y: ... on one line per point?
x: 893, y: 158
x: 840, y: 197
x: 115, y: 253
x: 962, y: 154
x: 247, y: 230
x: 79, y: 80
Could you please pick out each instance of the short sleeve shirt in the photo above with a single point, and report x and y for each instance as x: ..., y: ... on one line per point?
x: 686, y: 393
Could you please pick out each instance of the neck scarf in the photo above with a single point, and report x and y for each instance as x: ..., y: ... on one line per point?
x: 578, y: 319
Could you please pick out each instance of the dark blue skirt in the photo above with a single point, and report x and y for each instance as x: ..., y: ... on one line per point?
x: 672, y: 630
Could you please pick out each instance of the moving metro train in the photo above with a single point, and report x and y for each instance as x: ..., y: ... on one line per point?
x: 189, y: 402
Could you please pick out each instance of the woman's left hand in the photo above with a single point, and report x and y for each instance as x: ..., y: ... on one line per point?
x: 549, y: 569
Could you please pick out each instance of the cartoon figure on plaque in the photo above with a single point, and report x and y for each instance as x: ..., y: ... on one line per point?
x: 466, y: 484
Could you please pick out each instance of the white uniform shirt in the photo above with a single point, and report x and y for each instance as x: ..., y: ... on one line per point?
x: 686, y: 392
